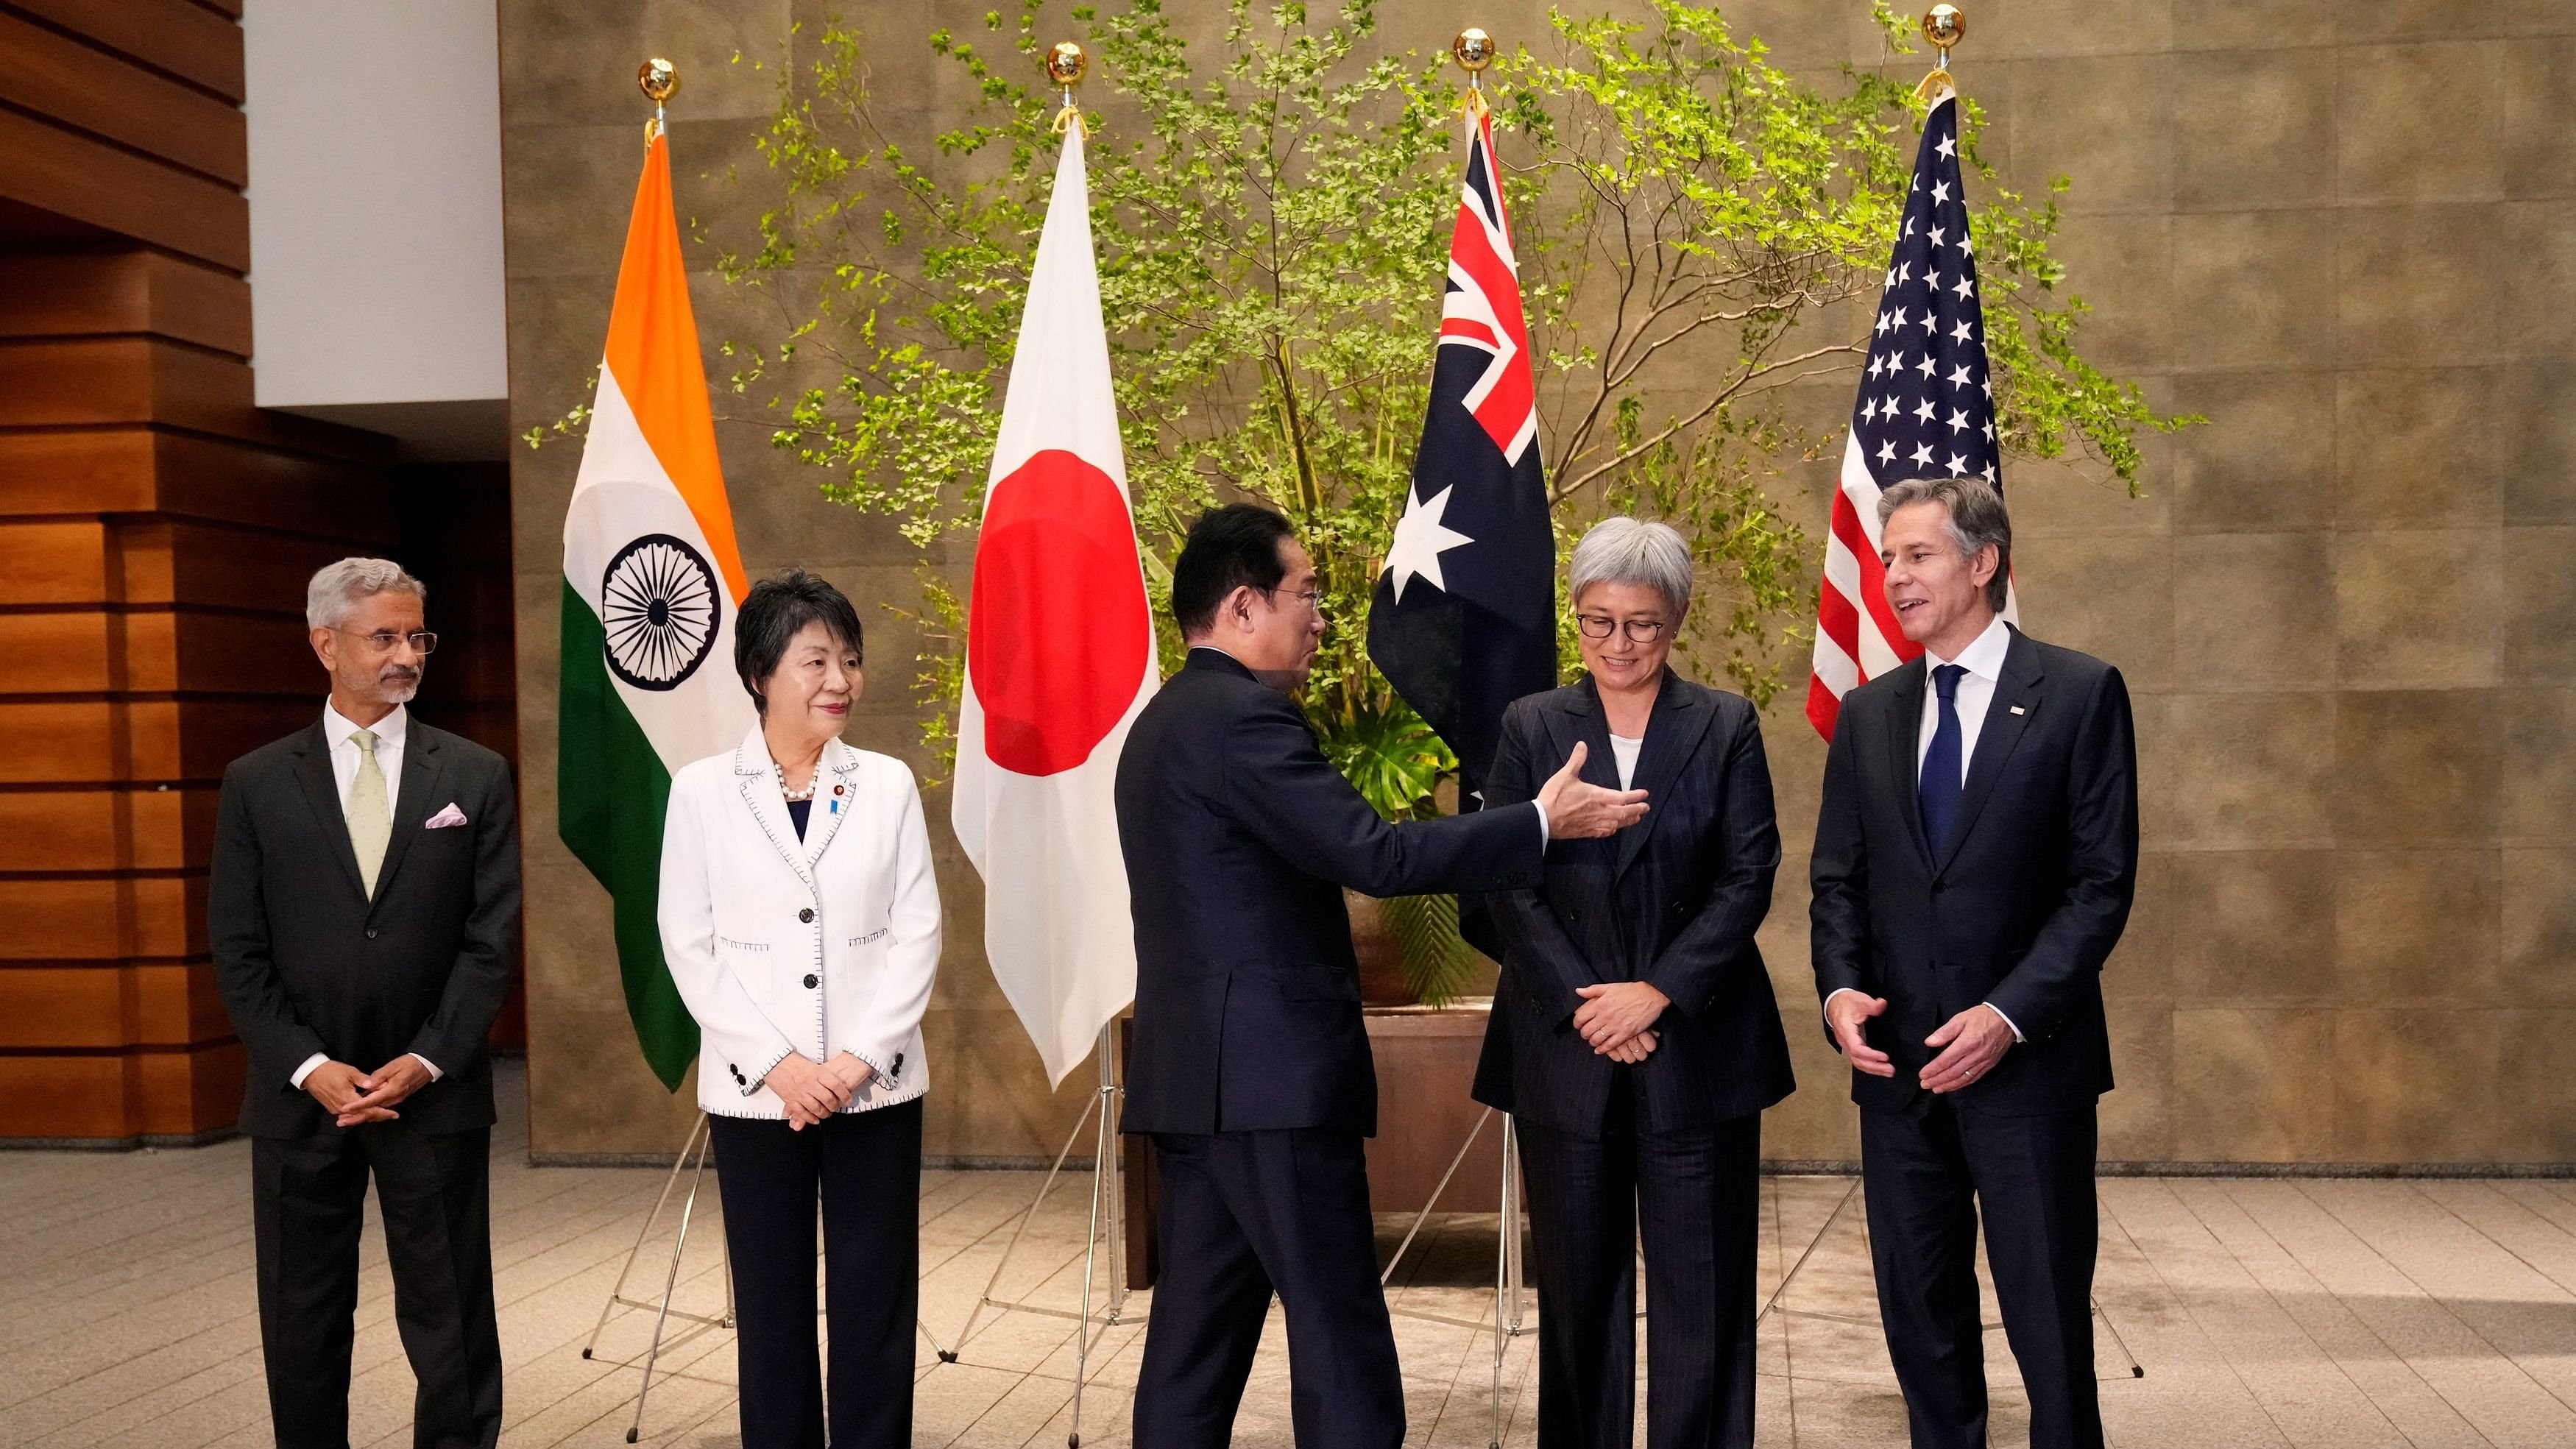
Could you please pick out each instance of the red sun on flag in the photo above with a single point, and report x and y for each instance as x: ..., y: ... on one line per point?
x: 1052, y: 636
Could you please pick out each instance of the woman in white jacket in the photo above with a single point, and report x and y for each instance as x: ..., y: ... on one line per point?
x: 801, y: 923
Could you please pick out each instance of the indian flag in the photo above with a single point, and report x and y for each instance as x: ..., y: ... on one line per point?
x: 651, y: 583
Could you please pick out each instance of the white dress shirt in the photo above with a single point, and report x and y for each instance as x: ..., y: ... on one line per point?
x: 1974, y: 695
x: 390, y: 733
x: 1984, y: 661
x: 1624, y: 751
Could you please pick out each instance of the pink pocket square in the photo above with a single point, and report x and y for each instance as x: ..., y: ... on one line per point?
x: 444, y: 818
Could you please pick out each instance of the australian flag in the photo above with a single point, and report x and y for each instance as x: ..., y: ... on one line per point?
x: 1464, y: 621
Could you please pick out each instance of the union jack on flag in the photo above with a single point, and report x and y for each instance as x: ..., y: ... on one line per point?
x: 1464, y: 619
x: 1925, y: 410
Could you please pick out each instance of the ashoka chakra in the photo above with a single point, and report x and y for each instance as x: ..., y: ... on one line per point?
x: 658, y: 605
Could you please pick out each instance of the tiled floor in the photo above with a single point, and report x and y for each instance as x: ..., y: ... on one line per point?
x: 2265, y: 1312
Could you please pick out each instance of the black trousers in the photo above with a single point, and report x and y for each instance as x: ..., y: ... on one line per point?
x: 865, y: 1169
x: 1245, y: 1214
x: 1925, y: 1175
x: 308, y: 1204
x: 1696, y: 1196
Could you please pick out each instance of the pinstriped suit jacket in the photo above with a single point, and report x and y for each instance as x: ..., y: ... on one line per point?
x: 1674, y: 900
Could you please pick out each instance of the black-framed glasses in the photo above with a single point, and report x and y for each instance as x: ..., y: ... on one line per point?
x: 1639, y: 631
x: 384, y: 640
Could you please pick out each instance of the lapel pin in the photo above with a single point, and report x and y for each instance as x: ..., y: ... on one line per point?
x: 837, y: 789
x: 2017, y: 709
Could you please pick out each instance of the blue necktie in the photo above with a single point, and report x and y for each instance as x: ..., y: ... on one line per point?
x: 1940, y: 785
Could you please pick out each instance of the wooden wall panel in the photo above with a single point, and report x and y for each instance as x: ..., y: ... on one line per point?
x: 159, y: 1004
x: 53, y: 561
x: 88, y: 294
x: 109, y: 95
x: 156, y: 532
x: 110, y: 918
x: 130, y: 1096
x: 140, y: 470
x: 200, y: 45
x: 89, y: 181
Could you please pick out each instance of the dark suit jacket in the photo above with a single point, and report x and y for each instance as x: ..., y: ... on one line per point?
x: 2023, y: 908
x: 308, y: 963
x: 1674, y: 901
x: 1239, y: 837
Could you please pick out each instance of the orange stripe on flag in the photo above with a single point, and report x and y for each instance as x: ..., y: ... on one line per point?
x: 653, y: 353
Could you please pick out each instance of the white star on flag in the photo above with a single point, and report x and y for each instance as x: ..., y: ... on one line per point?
x: 1420, y: 539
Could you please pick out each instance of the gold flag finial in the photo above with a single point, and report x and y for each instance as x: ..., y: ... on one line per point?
x: 1066, y: 65
x: 1945, y: 27
x: 659, y: 80
x: 1474, y: 50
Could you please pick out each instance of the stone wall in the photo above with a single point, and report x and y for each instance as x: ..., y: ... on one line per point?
x: 2353, y: 248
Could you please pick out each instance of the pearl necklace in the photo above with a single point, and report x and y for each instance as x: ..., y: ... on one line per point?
x: 796, y: 795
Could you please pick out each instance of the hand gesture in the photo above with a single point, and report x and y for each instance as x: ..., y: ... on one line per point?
x: 1969, y: 1045
x: 383, y: 1089
x: 339, y: 1086
x: 1616, y: 1013
x: 1579, y: 810
x: 1634, y: 1050
x: 808, y: 1091
x: 1846, y: 1012
x: 850, y: 1073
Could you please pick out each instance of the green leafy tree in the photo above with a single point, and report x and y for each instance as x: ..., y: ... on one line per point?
x: 1699, y: 233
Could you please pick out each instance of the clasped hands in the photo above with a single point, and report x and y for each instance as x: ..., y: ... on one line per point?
x: 1968, y: 1044
x: 353, y: 1097
x: 1617, y: 1018
x: 811, y: 1090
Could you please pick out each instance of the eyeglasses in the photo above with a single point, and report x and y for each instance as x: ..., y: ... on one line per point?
x: 1313, y: 599
x: 1639, y: 631
x: 383, y: 640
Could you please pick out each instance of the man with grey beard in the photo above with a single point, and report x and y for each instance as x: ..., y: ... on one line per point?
x: 362, y: 907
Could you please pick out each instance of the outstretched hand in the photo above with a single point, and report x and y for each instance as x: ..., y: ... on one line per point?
x: 1849, y: 1012
x: 1577, y: 809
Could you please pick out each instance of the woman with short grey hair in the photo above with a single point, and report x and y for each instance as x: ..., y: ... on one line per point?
x: 1634, y: 1033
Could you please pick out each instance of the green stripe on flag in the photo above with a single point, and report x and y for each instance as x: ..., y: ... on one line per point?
x: 611, y: 792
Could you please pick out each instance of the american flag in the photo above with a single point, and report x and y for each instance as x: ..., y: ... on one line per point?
x: 1925, y: 410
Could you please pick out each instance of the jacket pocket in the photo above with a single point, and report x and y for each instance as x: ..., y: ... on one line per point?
x: 870, y: 939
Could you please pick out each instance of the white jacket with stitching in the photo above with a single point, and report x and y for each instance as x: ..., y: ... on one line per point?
x: 822, y: 945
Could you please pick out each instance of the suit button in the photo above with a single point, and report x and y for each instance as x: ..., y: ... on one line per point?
x: 371, y: 933
x: 1939, y: 886
x: 811, y: 981
x: 806, y: 915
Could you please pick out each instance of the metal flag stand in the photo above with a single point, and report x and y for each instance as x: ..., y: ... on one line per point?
x: 1510, y: 1312
x: 2137, y: 1370
x: 700, y: 1140
x: 1107, y: 1202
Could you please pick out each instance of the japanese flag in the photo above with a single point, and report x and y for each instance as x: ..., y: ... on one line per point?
x: 1059, y: 658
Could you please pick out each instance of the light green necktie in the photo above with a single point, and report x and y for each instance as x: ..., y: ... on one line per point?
x: 371, y: 819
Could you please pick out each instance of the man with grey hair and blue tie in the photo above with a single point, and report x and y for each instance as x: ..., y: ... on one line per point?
x: 1976, y: 853
x: 362, y: 909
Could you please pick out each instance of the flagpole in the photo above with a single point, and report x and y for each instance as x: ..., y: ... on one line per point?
x: 1945, y: 27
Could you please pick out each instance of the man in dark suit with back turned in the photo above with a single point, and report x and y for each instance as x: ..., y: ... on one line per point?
x: 1251, y: 1067
x: 1975, y: 856
x: 363, y: 901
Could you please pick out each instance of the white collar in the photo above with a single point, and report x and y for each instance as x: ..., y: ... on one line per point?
x: 1984, y: 656
x: 751, y: 757
x: 389, y: 730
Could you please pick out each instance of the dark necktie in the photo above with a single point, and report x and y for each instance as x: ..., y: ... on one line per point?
x: 1940, y: 785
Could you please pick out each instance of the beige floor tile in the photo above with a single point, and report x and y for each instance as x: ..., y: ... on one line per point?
x: 2266, y: 1313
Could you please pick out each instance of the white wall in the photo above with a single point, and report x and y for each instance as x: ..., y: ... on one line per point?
x: 375, y: 217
